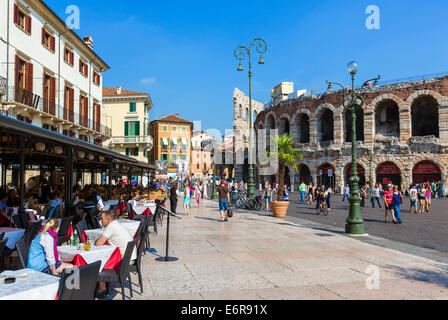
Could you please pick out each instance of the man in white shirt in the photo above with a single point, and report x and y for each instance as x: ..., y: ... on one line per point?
x: 116, y: 235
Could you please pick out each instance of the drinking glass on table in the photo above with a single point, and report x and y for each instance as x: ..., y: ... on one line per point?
x: 87, y: 246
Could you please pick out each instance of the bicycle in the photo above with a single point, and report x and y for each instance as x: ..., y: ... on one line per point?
x: 322, y: 208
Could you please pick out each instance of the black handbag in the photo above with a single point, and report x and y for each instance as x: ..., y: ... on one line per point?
x: 229, y: 213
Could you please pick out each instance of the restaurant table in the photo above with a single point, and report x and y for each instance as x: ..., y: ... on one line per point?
x: 13, y: 235
x: 109, y: 256
x: 145, y: 208
x: 130, y: 225
x: 109, y: 203
x: 36, y: 286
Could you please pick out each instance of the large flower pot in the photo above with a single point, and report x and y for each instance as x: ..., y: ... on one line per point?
x: 279, y: 209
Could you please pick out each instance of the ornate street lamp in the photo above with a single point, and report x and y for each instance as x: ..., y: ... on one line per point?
x: 355, y: 99
x: 240, y: 54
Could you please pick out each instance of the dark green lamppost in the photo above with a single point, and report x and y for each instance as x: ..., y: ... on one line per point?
x: 355, y: 223
x: 240, y: 54
x: 371, y: 176
x: 214, y: 196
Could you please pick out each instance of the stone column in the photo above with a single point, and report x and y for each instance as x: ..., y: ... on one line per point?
x: 294, y: 130
x: 405, y: 123
x: 443, y: 124
x: 369, y: 127
x: 338, y: 128
x: 313, y: 132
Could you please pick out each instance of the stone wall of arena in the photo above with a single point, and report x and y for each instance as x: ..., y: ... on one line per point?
x: 404, y: 150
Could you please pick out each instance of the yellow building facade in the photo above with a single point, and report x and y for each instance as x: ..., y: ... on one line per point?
x: 129, y: 112
x: 172, y: 144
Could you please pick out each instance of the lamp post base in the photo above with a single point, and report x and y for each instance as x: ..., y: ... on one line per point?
x: 355, y: 229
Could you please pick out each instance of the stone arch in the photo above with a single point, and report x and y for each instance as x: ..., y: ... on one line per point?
x: 301, y: 125
x: 387, y: 118
x: 362, y: 172
x: 304, y: 173
x: 347, y: 125
x: 271, y: 121
x: 322, y: 108
x: 425, y: 116
x: 374, y: 104
x: 284, y: 124
x: 396, y: 177
x: 437, y: 96
x: 432, y: 173
x: 325, y: 124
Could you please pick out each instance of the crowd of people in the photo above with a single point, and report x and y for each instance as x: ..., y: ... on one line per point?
x: 391, y: 198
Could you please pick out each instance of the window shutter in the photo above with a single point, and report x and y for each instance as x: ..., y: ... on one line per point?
x: 52, y: 44
x: 53, y: 89
x: 72, y: 58
x: 29, y: 77
x: 126, y: 128
x: 80, y: 65
x: 16, y: 14
x: 86, y: 70
x: 43, y: 36
x: 127, y: 151
x: 137, y: 128
x: 72, y: 100
x: 28, y: 24
x: 136, y: 152
x: 98, y: 115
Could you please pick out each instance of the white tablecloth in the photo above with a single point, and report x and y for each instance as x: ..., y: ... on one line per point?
x: 130, y: 225
x: 37, y: 286
x: 13, y: 236
x: 140, y: 208
x: 103, y: 253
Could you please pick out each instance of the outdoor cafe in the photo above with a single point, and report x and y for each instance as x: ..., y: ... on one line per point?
x: 27, y: 148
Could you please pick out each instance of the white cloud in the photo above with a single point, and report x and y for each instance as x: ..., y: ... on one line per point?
x: 147, y: 81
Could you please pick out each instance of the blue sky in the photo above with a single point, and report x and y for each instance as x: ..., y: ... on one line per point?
x: 181, y: 52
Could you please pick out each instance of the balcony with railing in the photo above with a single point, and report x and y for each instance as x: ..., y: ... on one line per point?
x: 132, y: 140
x: 20, y: 98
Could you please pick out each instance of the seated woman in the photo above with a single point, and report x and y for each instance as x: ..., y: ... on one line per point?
x: 43, y: 255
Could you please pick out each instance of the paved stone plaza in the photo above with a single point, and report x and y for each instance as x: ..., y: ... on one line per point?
x: 255, y: 256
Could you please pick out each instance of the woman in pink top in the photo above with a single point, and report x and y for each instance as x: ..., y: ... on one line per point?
x: 428, y: 197
x: 388, y: 196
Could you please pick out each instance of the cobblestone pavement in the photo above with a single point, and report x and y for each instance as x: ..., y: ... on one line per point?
x: 256, y: 256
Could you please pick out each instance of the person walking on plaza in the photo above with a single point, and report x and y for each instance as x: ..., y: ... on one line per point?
x: 421, y: 194
x: 223, y: 196
x: 363, y: 195
x: 388, y: 197
x: 197, y: 193
x: 397, y: 199
x: 428, y: 197
x: 267, y: 194
x: 302, y: 189
x: 310, y: 193
x: 375, y: 196
x: 173, y: 198
x: 346, y: 193
x: 440, y: 189
x: 187, y: 199
x: 413, y: 196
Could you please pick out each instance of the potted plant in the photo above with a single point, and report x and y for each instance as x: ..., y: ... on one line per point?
x: 286, y: 155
